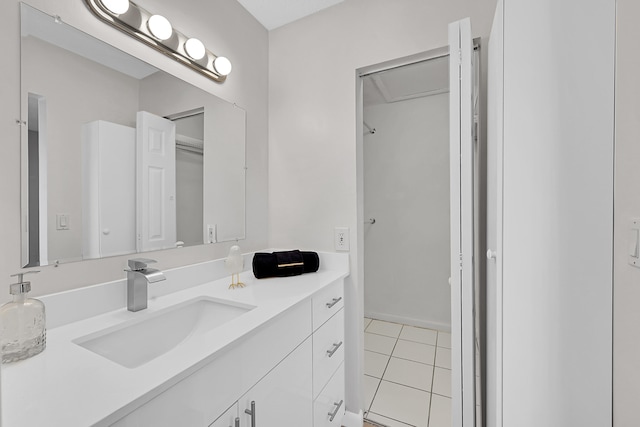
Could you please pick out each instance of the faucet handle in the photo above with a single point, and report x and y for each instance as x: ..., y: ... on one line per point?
x: 137, y: 264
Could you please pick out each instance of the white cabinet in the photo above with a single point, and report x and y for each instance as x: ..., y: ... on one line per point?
x: 202, y: 397
x: 283, y: 397
x: 291, y: 369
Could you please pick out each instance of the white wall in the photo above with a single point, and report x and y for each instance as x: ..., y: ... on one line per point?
x: 312, y: 122
x: 626, y: 320
x: 406, y: 189
x: 226, y: 28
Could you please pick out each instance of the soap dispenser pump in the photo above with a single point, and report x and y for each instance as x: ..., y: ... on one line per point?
x: 22, y: 323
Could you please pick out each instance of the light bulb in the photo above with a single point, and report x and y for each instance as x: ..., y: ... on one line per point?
x: 194, y: 48
x: 117, y: 7
x: 222, y: 65
x: 160, y: 27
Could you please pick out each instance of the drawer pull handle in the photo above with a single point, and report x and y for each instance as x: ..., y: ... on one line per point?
x: 333, y: 302
x: 252, y: 412
x: 333, y: 414
x: 334, y: 348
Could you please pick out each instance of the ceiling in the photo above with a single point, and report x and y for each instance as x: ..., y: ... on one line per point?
x: 276, y: 13
x: 424, y: 78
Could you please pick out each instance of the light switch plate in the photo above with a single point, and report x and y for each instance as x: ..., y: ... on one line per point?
x: 62, y: 221
x: 212, y: 235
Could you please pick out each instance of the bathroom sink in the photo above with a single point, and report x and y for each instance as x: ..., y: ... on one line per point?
x: 136, y: 342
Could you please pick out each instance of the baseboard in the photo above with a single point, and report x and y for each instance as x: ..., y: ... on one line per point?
x: 352, y: 419
x: 409, y: 321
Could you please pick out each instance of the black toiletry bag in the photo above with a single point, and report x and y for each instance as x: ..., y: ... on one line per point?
x: 284, y: 264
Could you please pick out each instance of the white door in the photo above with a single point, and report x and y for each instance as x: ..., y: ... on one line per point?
x: 462, y: 229
x: 229, y: 418
x: 155, y: 182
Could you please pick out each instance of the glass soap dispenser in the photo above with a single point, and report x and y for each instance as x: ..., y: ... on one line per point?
x: 22, y: 323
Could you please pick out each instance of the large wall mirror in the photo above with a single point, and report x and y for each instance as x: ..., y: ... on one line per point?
x: 120, y: 157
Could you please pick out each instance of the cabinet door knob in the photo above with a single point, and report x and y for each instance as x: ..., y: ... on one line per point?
x: 334, y: 348
x: 333, y: 302
x: 491, y: 254
x: 251, y: 412
x: 333, y: 414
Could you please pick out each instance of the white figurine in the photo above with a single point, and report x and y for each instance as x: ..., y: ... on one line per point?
x: 234, y: 264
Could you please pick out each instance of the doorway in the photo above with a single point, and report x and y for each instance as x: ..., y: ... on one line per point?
x: 416, y: 177
x: 189, y: 177
x: 407, y: 298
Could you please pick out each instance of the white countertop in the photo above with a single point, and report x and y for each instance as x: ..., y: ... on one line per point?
x: 68, y: 385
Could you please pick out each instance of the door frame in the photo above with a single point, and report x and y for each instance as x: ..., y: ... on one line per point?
x: 463, y: 233
x: 360, y: 129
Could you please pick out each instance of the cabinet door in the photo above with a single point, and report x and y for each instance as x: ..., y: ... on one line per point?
x: 283, y: 397
x: 229, y: 418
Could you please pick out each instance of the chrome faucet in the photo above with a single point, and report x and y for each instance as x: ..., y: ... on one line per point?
x: 138, y: 276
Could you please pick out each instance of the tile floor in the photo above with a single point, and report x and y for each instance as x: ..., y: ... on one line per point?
x: 407, y: 375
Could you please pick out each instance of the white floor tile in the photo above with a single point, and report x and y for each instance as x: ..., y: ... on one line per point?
x: 378, y: 343
x: 366, y: 322
x: 440, y: 415
x: 384, y: 328
x: 406, y: 372
x: 375, y: 363
x: 444, y: 339
x: 423, y: 353
x: 441, y: 382
x: 386, y: 421
x: 443, y: 357
x: 370, y: 388
x: 402, y: 403
x: 421, y: 335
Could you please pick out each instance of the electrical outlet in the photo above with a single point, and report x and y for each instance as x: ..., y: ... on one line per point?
x: 341, y: 238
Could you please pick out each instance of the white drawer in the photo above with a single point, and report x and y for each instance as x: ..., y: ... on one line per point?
x: 330, y: 401
x: 327, y: 302
x: 328, y: 350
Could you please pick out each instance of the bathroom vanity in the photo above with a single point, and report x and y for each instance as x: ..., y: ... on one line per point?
x: 269, y: 354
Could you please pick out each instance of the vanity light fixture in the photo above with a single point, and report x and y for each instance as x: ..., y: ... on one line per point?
x: 156, y: 31
x: 195, y: 49
x: 160, y: 27
x: 222, y: 65
x: 117, y: 7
